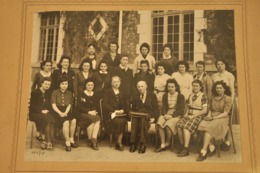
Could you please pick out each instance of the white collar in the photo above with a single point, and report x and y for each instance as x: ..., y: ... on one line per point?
x: 164, y: 57
x: 103, y: 72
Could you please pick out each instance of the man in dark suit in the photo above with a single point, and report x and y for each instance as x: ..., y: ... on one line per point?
x: 144, y: 102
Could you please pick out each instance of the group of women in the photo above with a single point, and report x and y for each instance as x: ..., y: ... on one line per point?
x: 187, y: 103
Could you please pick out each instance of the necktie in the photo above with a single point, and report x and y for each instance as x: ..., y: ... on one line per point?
x: 194, y: 97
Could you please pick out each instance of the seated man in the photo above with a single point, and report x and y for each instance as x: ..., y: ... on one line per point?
x: 145, y: 103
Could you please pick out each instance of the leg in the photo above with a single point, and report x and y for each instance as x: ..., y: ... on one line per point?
x: 206, y: 142
x: 72, y: 132
x: 187, y: 136
x: 168, y: 136
x: 180, y: 135
x: 65, y: 132
x: 96, y: 128
x: 90, y: 130
x: 162, y: 136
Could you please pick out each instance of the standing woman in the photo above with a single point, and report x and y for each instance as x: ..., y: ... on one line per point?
x: 88, y: 117
x: 144, y: 74
x: 85, y: 72
x: 183, y: 78
x: 173, y: 105
x: 101, y: 79
x: 215, y: 124
x: 160, y: 81
x: 168, y: 59
x: 62, y: 100
x: 224, y: 75
x: 112, y: 58
x: 197, y: 108
x: 39, y: 111
x: 114, y: 107
x: 64, y: 71
x: 46, y: 67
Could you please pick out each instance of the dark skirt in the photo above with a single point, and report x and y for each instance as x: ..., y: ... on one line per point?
x: 60, y: 120
x: 42, y: 120
x: 116, y: 125
x: 84, y: 120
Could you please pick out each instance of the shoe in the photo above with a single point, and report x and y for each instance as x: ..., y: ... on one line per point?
x: 49, y: 146
x: 68, y: 148
x: 224, y: 146
x: 94, y: 146
x: 183, y: 153
x: 119, y: 147
x: 142, y: 149
x: 160, y: 149
x: 179, y: 150
x: 39, y: 138
x: 201, y: 157
x: 211, y: 153
x: 44, y: 145
x: 133, y: 148
x: 74, y: 145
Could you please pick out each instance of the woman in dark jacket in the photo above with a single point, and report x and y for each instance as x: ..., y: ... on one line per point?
x: 115, y: 111
x: 173, y: 105
x: 39, y: 111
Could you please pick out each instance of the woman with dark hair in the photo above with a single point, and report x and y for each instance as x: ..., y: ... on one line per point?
x: 62, y: 100
x: 115, y: 111
x: 173, y: 105
x: 88, y: 117
x: 168, y: 59
x: 85, y: 72
x: 91, y: 56
x: 112, y: 58
x: 215, y: 124
x: 144, y: 55
x: 183, y: 78
x: 102, y: 79
x: 160, y: 81
x: 144, y: 74
x: 224, y: 75
x: 197, y: 108
x: 63, y: 71
x: 46, y: 67
x: 39, y: 111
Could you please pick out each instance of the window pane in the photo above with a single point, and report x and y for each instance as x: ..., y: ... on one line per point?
x: 170, y: 29
x: 192, y: 18
x: 176, y: 47
x: 191, y: 47
x: 186, y: 56
x: 186, y: 18
x: 176, y: 28
x: 176, y: 37
x: 170, y: 20
x: 186, y: 37
x: 160, y: 21
x: 176, y: 19
x: 186, y: 47
x: 192, y: 37
x: 161, y: 29
x: 186, y: 27
x: 160, y: 38
x: 169, y: 38
x: 155, y: 21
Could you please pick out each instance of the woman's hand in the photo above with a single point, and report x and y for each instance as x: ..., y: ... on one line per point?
x: 186, y: 116
x: 208, y: 118
x: 167, y: 117
x: 93, y: 113
x: 45, y: 111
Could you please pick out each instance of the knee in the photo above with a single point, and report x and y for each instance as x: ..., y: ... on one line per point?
x: 65, y: 124
x: 73, y: 121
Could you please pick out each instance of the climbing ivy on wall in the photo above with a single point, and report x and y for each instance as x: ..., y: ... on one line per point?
x: 77, y: 36
x: 219, y: 37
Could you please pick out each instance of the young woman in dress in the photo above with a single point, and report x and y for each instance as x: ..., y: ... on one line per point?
x: 88, y: 117
x: 183, y: 78
x: 215, y: 124
x: 102, y: 79
x: 46, y: 67
x: 197, y: 108
x: 168, y: 59
x: 65, y: 71
x: 39, y: 111
x: 112, y: 57
x: 173, y: 105
x: 145, y: 74
x: 62, y: 100
x: 160, y: 81
x: 85, y: 72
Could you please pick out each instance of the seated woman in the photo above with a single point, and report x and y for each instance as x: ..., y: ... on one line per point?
x: 197, y: 108
x: 144, y: 102
x: 87, y: 113
x: 160, y: 81
x: 215, y: 124
x: 46, y: 67
x: 114, y: 109
x: 85, y: 72
x: 173, y: 105
x: 39, y: 111
x: 62, y: 100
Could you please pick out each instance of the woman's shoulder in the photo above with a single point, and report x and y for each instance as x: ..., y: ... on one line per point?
x: 228, y: 98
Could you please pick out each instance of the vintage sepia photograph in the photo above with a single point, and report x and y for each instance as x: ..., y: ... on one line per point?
x: 133, y: 86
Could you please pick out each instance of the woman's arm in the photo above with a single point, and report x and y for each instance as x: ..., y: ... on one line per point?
x: 56, y: 109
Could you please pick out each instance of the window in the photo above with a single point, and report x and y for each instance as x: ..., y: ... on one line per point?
x: 175, y: 28
x: 49, y: 32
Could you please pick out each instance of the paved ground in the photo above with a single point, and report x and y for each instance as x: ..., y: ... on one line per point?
x: 108, y: 154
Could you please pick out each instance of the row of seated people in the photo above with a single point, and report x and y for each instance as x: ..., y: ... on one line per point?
x: 211, y: 117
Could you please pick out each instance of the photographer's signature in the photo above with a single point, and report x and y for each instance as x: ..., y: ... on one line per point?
x: 38, y: 152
